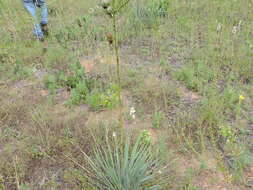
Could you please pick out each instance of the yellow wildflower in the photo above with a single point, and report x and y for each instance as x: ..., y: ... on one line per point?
x: 241, y: 97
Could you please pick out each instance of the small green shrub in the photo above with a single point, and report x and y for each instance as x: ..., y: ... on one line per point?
x: 159, y: 7
x: 228, y: 133
x: 73, y: 79
x: 101, y: 99
x: 230, y: 96
x: 50, y: 82
x: 195, y: 77
x: 158, y: 119
x: 145, y: 137
x: 79, y: 93
x: 82, y: 88
x: 238, y: 158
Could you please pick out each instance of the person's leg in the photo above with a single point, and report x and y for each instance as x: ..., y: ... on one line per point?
x: 31, y: 8
x: 44, y: 16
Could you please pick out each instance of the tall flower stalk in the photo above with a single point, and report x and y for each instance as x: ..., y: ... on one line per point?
x: 113, y: 8
x: 116, y: 51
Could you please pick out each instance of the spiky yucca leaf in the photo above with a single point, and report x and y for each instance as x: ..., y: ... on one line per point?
x: 124, y: 167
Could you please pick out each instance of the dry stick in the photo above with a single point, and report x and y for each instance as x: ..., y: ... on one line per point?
x: 78, y: 164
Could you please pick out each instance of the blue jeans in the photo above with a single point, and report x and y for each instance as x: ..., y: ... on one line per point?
x: 30, y: 6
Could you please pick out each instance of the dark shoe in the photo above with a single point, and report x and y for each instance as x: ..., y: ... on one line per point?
x: 41, y: 39
x: 44, y: 29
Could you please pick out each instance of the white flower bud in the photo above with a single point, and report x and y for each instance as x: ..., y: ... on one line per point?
x: 234, y: 30
x: 219, y: 27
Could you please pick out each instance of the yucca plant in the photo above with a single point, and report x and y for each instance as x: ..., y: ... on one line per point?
x: 124, y: 167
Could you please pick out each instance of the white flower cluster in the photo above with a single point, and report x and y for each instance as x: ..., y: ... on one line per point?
x: 106, y: 4
x: 219, y: 27
x: 237, y: 27
x: 132, y: 112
